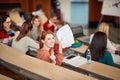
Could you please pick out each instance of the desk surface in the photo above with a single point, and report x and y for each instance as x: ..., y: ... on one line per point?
x: 102, y: 69
x: 83, y: 39
x: 80, y: 49
x: 39, y: 67
x: 2, y: 77
x: 99, y: 68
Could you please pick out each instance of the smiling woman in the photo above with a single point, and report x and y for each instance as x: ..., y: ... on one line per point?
x: 46, y: 51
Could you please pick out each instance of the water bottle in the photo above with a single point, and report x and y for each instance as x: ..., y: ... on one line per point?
x: 88, y: 56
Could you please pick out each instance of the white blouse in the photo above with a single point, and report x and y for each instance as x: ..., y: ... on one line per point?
x: 23, y: 44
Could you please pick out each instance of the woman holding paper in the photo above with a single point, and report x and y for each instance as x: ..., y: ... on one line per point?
x: 47, y: 52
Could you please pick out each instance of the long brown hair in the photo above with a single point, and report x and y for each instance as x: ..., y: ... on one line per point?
x: 25, y: 28
x: 98, y: 45
x: 40, y: 28
x: 52, y: 15
x: 33, y: 19
x: 44, y: 33
x: 3, y: 18
x: 43, y: 36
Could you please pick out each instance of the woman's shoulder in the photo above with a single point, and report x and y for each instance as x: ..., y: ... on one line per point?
x: 107, y: 53
x: 42, y: 50
x: 3, y: 35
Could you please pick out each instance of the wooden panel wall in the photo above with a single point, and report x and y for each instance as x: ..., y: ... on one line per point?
x: 30, y: 5
x: 94, y: 10
x: 24, y: 3
x: 46, y: 6
x: 95, y: 7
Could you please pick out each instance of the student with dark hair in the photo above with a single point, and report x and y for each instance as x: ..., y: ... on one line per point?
x: 51, y: 23
x: 98, y: 48
x: 6, y: 34
x: 46, y: 51
x: 22, y: 41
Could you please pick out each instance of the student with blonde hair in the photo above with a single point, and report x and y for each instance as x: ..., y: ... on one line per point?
x: 104, y: 27
x: 37, y: 28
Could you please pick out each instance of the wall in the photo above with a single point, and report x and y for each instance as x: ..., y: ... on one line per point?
x: 23, y: 4
x: 65, y: 9
x: 28, y: 5
x: 79, y: 13
x: 95, y: 7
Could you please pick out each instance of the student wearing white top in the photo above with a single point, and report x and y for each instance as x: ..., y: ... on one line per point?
x: 104, y: 27
x: 22, y: 41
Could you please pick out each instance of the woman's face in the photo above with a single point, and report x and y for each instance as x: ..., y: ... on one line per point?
x: 49, y: 41
x: 54, y: 19
x: 7, y: 23
x: 36, y: 22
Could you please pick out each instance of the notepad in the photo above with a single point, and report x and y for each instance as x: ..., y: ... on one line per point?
x: 76, y: 61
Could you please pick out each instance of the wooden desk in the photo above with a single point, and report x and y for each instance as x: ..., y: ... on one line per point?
x: 102, y: 69
x: 98, y: 70
x: 83, y: 39
x: 2, y: 77
x: 39, y: 67
x: 80, y: 49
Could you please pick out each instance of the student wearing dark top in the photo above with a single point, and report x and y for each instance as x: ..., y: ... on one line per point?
x: 51, y: 24
x: 98, y: 48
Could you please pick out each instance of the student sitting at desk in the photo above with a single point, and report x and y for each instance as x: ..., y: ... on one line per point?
x: 22, y: 41
x: 98, y: 48
x: 104, y: 27
x: 37, y: 28
x: 46, y: 51
x: 6, y: 33
x: 51, y: 24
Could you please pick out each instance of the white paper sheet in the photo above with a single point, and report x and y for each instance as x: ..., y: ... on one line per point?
x: 76, y: 61
x: 65, y: 35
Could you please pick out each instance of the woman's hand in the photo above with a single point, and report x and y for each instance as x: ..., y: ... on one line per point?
x: 60, y: 46
x: 53, y: 58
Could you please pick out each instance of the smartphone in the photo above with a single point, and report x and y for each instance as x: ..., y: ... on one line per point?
x: 69, y: 57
